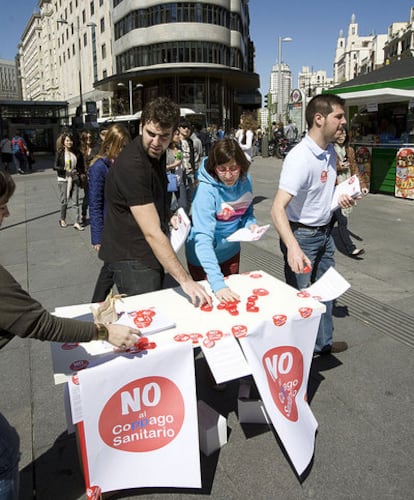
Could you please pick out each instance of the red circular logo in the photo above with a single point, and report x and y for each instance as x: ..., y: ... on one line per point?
x: 144, y: 415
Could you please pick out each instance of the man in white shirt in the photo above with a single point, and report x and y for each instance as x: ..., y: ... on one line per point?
x: 301, y: 210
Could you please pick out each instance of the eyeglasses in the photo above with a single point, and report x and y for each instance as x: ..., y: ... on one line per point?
x: 224, y: 170
x: 184, y: 126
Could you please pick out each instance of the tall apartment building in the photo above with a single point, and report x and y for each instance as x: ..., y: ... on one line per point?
x: 356, y: 55
x: 9, y: 89
x: 313, y: 82
x: 279, y: 96
x: 121, y: 53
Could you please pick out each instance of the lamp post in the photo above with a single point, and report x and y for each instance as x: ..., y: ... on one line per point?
x: 64, y: 21
x: 279, y: 75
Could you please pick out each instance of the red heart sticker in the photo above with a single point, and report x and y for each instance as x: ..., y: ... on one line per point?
x: 214, y: 334
x: 303, y: 294
x: 79, y: 364
x: 260, y: 291
x: 305, y: 312
x: 206, y: 307
x: 239, y: 331
x: 208, y: 343
x: 181, y: 337
x: 256, y: 275
x: 279, y: 319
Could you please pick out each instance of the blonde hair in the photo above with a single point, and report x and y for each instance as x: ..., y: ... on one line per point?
x: 116, y: 138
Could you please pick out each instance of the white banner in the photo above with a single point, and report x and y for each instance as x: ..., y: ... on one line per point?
x: 140, y: 420
x: 280, y: 353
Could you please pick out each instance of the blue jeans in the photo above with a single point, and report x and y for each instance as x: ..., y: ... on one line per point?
x: 9, y: 461
x: 318, y: 245
x: 133, y: 278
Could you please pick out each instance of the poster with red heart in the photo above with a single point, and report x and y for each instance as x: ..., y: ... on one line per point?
x: 140, y: 421
x: 279, y: 354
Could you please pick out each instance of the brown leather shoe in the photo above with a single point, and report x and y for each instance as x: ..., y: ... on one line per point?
x: 336, y: 347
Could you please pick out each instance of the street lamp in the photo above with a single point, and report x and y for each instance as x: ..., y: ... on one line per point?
x: 64, y: 21
x: 279, y: 75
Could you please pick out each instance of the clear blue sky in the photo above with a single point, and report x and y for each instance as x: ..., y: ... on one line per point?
x: 313, y: 25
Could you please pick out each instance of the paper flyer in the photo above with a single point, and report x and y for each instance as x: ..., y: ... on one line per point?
x: 179, y: 235
x: 350, y: 186
x: 244, y: 234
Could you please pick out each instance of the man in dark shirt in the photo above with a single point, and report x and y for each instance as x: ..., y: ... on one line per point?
x: 135, y: 240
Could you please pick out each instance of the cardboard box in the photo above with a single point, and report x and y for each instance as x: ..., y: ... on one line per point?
x: 212, y: 428
x: 251, y: 409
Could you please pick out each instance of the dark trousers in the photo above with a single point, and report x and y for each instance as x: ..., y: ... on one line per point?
x: 133, y: 278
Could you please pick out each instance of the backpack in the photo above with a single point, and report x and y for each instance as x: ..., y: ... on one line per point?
x: 16, y: 146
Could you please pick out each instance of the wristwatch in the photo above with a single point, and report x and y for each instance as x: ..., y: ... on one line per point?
x: 101, y: 332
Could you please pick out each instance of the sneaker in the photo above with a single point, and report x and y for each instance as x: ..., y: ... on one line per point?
x: 62, y: 223
x: 78, y: 226
x: 336, y: 347
x: 20, y: 171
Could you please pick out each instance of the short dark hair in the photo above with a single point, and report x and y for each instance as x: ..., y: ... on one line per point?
x: 7, y: 186
x: 322, y: 103
x: 184, y: 123
x: 223, y: 151
x: 162, y: 111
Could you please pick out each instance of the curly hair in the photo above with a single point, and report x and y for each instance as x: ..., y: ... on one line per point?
x: 162, y: 111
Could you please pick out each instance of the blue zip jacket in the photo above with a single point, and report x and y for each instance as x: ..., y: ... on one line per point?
x: 97, y: 176
x: 217, y: 212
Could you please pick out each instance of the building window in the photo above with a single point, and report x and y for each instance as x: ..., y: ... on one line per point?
x: 92, y: 7
x: 102, y: 23
x: 83, y: 16
x: 85, y: 39
x: 103, y: 51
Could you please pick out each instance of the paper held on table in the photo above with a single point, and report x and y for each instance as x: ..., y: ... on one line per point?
x: 329, y: 286
x: 179, y: 235
x: 244, y: 234
x: 350, y: 186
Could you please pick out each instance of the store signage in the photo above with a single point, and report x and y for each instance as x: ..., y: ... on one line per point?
x: 372, y: 107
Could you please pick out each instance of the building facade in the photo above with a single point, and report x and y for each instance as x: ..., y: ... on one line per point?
x: 9, y: 89
x: 122, y: 53
x: 356, y: 55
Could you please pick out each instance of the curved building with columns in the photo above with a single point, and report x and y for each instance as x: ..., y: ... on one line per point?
x: 198, y: 53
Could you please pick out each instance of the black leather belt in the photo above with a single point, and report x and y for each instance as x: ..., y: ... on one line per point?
x: 295, y: 225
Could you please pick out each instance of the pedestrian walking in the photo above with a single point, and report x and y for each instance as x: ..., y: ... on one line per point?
x: 6, y: 152
x: 69, y: 166
x: 20, y: 151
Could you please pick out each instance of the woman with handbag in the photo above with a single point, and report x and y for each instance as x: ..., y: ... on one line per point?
x: 69, y: 166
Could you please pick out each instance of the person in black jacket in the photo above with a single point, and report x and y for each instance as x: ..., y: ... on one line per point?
x: 69, y: 166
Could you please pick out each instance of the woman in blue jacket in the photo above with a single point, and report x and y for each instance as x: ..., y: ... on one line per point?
x: 116, y: 138
x: 222, y: 204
